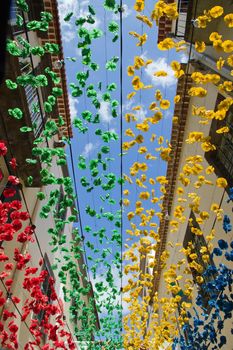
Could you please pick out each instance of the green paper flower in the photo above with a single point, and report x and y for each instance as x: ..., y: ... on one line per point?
x: 111, y: 87
x: 22, y: 5
x: 110, y: 5
x: 57, y: 91
x: 112, y: 63
x: 25, y: 129
x: 10, y: 84
x: 91, y: 10
x: 68, y: 16
x: 41, y: 196
x: 30, y: 180
x: 16, y: 113
x: 31, y: 161
x: 52, y: 48
x: 113, y: 27
x: 37, y: 51
x: 48, y: 107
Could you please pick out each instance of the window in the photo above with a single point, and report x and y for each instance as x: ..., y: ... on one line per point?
x: 196, y: 242
x: 222, y: 157
x: 3, y: 175
x: 183, y: 6
x: 60, y: 212
x: 33, y: 105
x: 45, y: 286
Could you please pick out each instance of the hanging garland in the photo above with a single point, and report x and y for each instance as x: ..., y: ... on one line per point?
x: 142, y: 331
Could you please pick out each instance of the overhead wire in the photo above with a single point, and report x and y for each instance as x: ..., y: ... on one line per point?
x: 121, y: 144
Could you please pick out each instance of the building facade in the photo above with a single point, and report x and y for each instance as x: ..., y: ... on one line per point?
x: 194, y: 203
x: 49, y: 215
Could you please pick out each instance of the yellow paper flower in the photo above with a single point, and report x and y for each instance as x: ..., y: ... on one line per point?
x: 209, y: 170
x: 138, y: 62
x: 129, y: 133
x: 216, y: 11
x: 142, y: 39
x: 215, y: 36
x: 197, y: 91
x: 220, y: 63
x: 130, y: 70
x: 223, y: 130
x: 158, y: 95
x: 130, y: 215
x: 177, y: 99
x: 156, y: 117
x: 160, y: 73
x: 207, y: 146
x: 153, y: 106
x: 229, y: 20
x: 217, y: 44
x: 145, y: 20
x: 144, y: 195
x: 164, y: 104
x: 227, y: 46
x: 166, y: 44
x: 137, y: 84
x: 175, y: 65
x: 230, y: 60
x: 142, y: 150
x: 139, y: 5
x: 221, y: 182
x: 130, y: 95
x: 139, y: 139
x: 200, y: 46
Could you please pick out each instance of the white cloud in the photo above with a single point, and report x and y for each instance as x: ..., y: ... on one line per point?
x: 128, y: 105
x: 161, y: 64
x: 65, y: 7
x: 78, y: 9
x: 104, y: 112
x: 184, y: 57
x: 167, y: 115
x: 126, y: 13
x: 68, y: 35
x: 89, y: 147
x: 73, y: 102
x: 141, y: 114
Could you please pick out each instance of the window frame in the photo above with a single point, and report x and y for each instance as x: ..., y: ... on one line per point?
x: 213, y: 157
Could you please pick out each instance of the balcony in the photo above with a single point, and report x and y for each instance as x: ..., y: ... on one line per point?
x: 196, y: 8
x: 20, y: 144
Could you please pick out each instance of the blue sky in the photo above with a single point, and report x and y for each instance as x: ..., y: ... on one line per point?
x: 89, y: 144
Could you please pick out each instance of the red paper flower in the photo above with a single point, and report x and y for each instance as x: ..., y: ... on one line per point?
x: 16, y: 300
x: 9, y: 282
x: 13, y: 327
x: 16, y: 205
x: 13, y: 163
x: 17, y: 224
x: 3, y: 257
x: 22, y: 237
x: 7, y: 314
x: 24, y: 215
x: 2, y: 301
x: 3, y: 149
x: 9, y: 266
x: 4, y: 274
x: 9, y: 192
x: 13, y: 180
x: 31, y: 270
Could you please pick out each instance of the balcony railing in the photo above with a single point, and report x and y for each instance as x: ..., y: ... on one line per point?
x: 182, y: 19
